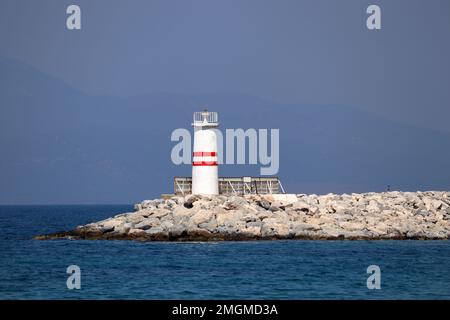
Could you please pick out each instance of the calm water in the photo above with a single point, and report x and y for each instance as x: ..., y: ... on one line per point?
x: 31, y: 269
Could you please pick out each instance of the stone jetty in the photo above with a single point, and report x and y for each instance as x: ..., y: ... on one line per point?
x: 362, y: 216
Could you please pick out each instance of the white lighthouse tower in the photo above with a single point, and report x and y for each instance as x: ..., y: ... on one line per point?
x: 205, y: 179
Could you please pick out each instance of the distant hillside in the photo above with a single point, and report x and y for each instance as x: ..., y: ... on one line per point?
x: 60, y: 145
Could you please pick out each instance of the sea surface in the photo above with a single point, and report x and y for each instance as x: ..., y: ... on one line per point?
x: 32, y: 269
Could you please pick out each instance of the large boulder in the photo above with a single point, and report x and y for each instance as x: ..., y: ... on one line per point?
x: 273, y: 227
x: 201, y: 216
x: 148, y: 223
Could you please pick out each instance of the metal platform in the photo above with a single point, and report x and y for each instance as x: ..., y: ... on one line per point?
x: 234, y: 185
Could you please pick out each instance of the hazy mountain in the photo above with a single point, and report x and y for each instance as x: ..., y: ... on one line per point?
x: 59, y: 145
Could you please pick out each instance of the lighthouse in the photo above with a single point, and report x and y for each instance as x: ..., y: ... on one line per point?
x: 205, y: 179
x: 205, y: 176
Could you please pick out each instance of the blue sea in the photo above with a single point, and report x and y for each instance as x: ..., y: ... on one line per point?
x: 32, y: 269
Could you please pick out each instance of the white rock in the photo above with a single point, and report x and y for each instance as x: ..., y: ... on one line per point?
x: 148, y: 223
x: 201, y: 216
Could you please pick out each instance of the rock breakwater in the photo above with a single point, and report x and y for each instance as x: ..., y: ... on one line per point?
x: 387, y: 215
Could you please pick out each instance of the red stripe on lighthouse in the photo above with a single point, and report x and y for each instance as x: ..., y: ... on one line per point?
x: 204, y: 154
x: 204, y: 163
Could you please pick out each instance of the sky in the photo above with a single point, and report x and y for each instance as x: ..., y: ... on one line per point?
x: 312, y: 53
x: 289, y: 51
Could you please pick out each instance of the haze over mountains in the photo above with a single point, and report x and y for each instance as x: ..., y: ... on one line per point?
x: 59, y: 145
